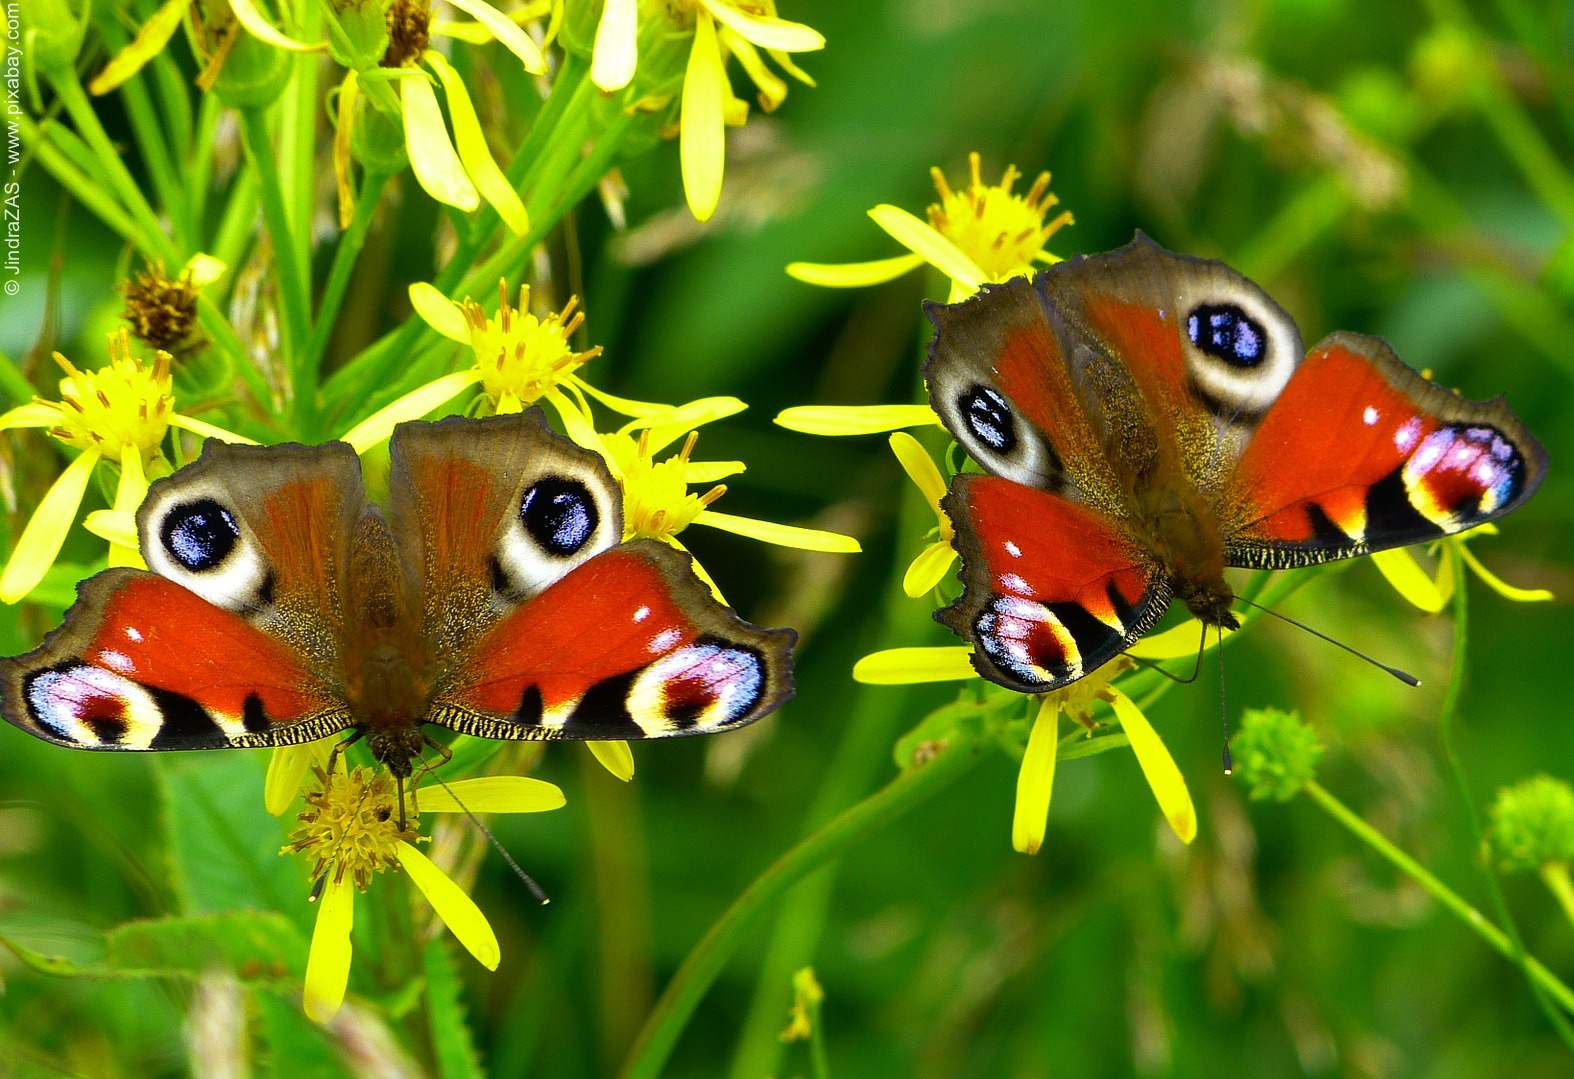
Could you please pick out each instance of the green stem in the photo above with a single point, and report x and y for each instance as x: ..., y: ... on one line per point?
x: 292, y: 280
x: 1498, y: 940
x: 151, y: 236
x: 13, y: 384
x: 86, y: 191
x: 200, y: 164
x: 237, y: 224
x: 1556, y: 877
x: 149, y: 132
x: 1446, y: 721
x: 700, y: 968
x: 345, y: 256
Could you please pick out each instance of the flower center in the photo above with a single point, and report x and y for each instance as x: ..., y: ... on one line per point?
x: 519, y: 355
x: 123, y: 404
x: 657, y: 503
x: 409, y: 30
x: 351, y: 825
x: 162, y: 312
x: 1002, y: 231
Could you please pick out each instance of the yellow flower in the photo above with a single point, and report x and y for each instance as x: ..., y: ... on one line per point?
x: 161, y: 26
x: 118, y: 414
x: 350, y: 828
x: 1035, y: 779
x: 984, y: 233
x: 1431, y: 594
x: 657, y: 502
x: 932, y: 563
x: 807, y: 996
x: 720, y: 29
x: 520, y: 358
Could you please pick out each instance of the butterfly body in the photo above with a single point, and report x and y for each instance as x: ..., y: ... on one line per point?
x: 494, y: 597
x: 1146, y: 421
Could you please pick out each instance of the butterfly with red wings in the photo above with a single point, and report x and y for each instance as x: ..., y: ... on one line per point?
x: 495, y: 598
x: 1145, y: 420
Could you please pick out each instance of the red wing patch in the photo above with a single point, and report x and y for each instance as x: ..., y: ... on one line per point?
x: 1054, y: 589
x: 143, y: 663
x: 628, y: 645
x: 1360, y: 453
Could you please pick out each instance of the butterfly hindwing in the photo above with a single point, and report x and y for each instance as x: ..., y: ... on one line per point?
x: 1053, y: 588
x: 142, y: 662
x: 629, y: 644
x: 1360, y: 453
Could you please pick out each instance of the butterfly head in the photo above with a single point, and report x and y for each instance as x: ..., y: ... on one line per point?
x: 1210, y: 601
x: 395, y: 747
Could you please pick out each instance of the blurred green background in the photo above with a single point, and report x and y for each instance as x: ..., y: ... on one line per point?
x: 1394, y: 169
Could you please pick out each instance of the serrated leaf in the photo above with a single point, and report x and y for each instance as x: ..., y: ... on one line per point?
x: 456, y: 1056
x: 253, y: 946
x: 293, y: 1045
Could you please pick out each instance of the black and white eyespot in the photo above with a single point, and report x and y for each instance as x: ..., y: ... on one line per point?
x: 194, y: 538
x: 562, y: 521
x: 1241, y: 348
x: 990, y: 429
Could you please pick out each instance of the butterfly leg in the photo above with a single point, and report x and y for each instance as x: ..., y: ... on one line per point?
x: 343, y: 744
x: 444, y: 756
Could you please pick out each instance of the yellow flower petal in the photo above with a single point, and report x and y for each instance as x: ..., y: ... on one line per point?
x: 920, y: 468
x: 616, y: 52
x: 764, y: 30
x: 457, y: 910
x: 928, y: 569
x: 785, y: 62
x: 907, y: 666
x: 492, y: 794
x: 153, y: 36
x: 773, y: 89
x: 286, y: 769
x: 805, y: 539
x: 576, y: 424
x: 344, y: 129
x: 32, y: 414
x: 432, y: 156
x: 627, y: 406
x: 130, y: 490
x: 1500, y: 586
x: 509, y: 34
x: 439, y: 312
x: 686, y: 417
x: 1408, y: 579
x: 615, y: 756
x: 920, y: 238
x: 473, y: 150
x: 1158, y: 767
x: 471, y: 33
x: 853, y: 274
x: 1036, y: 779
x: 1178, y: 642
x: 412, y: 406
x: 113, y: 526
x: 46, y: 530
x: 202, y: 269
x: 711, y: 471
x: 702, y: 144
x: 855, y: 419
x: 208, y: 430
x: 328, y: 963
x: 249, y: 16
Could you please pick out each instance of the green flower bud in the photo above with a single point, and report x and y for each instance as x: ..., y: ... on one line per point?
x: 54, y: 32
x: 1532, y: 824
x: 361, y: 36
x: 1275, y: 753
x: 252, y: 73
x: 377, y: 140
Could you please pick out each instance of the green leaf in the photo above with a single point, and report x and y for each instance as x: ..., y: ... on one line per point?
x: 292, y: 1044
x: 224, y: 847
x: 257, y: 948
x: 456, y: 1056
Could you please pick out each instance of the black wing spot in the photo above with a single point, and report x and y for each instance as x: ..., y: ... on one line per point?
x: 199, y: 535
x: 560, y: 514
x: 253, y: 717
x: 185, y: 723
x: 603, y: 711
x: 1228, y: 333
x: 988, y: 416
x: 1324, y: 531
x: 1389, y: 511
x: 531, y: 707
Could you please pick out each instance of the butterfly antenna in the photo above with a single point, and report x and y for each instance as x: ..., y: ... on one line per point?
x: 529, y: 881
x: 1154, y: 665
x: 1224, y: 706
x: 1407, y: 679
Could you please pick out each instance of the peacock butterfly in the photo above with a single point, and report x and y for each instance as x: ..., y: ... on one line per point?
x: 1146, y: 419
x: 496, y: 599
